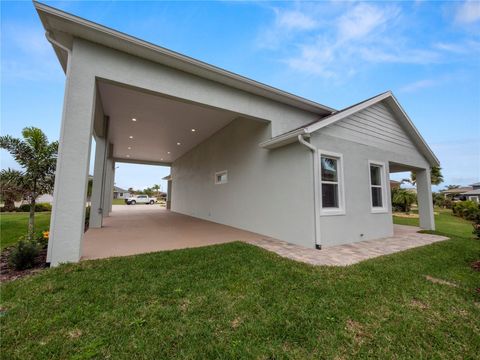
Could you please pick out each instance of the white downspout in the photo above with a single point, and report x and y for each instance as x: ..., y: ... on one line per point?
x: 316, y: 192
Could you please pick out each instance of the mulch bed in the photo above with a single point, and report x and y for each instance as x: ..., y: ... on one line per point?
x: 8, y: 273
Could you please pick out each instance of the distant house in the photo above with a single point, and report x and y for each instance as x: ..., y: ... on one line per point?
x: 474, y: 194
x: 394, y: 184
x: 119, y: 193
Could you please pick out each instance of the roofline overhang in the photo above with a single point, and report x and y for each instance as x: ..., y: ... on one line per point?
x: 291, y: 137
x: 81, y: 28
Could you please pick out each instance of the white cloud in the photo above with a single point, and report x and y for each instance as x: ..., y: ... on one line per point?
x: 294, y: 20
x: 417, y: 85
x: 362, y: 20
x: 468, y: 12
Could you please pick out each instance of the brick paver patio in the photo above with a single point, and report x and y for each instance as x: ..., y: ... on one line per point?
x: 405, y: 237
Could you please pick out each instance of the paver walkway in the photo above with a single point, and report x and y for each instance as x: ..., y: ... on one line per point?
x: 405, y: 237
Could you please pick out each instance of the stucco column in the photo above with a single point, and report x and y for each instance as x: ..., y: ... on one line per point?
x: 112, y: 184
x: 96, y: 211
x: 169, y: 194
x: 71, y: 180
x: 424, y: 198
x: 108, y: 188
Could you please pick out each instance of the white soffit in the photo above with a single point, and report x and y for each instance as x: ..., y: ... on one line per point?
x: 161, y: 123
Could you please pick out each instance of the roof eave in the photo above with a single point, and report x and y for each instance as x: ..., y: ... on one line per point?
x: 115, y: 39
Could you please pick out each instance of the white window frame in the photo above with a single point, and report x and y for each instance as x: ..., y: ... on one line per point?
x: 340, y: 210
x: 383, y: 178
x: 220, y: 173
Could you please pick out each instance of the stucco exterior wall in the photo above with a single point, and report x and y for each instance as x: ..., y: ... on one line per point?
x: 359, y: 223
x: 268, y: 192
x: 101, y: 62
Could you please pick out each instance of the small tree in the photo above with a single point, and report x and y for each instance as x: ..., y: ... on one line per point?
x: 156, y: 187
x: 403, y: 199
x: 11, y: 186
x: 38, y: 159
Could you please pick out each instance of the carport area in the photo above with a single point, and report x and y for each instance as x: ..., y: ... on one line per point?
x: 131, y: 230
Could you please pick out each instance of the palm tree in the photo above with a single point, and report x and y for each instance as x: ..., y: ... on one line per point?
x: 436, y: 176
x: 403, y: 198
x: 38, y: 159
x: 11, y: 187
x: 156, y: 187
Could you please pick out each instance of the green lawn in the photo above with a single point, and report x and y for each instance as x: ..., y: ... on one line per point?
x: 118, y: 202
x: 239, y: 301
x: 14, y: 225
x: 445, y: 223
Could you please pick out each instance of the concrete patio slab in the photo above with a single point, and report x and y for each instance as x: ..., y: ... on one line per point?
x: 405, y: 237
x: 141, y: 229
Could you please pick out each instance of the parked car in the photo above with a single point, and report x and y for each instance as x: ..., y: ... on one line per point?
x: 140, y: 199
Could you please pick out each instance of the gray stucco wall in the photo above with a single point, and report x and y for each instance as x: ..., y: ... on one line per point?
x: 358, y: 145
x: 268, y: 192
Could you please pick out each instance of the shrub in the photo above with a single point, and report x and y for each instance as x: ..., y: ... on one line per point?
x: 40, y: 207
x: 403, y: 199
x: 448, y: 203
x: 23, y: 254
x: 469, y: 210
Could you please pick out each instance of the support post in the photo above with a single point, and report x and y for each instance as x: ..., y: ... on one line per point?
x: 169, y: 194
x: 96, y: 211
x: 108, y: 188
x: 70, y: 193
x: 424, y: 198
x: 110, y: 199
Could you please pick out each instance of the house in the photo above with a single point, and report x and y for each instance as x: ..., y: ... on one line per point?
x: 456, y: 194
x: 234, y: 145
x: 474, y: 194
x: 119, y: 193
x: 394, y: 184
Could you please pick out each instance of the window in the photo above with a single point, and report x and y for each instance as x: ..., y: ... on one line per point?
x: 331, y: 179
x: 221, y: 177
x: 378, y: 190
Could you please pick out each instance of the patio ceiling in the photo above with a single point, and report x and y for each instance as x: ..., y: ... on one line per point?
x: 163, y: 130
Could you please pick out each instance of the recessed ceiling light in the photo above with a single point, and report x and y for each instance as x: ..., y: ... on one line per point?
x: 193, y: 130
x: 128, y: 155
x: 133, y: 119
x: 130, y: 137
x: 179, y: 143
x: 129, y: 148
x: 168, y: 152
x: 161, y: 159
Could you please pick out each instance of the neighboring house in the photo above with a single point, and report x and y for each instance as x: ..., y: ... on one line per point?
x: 394, y: 184
x: 119, y: 193
x: 235, y: 146
x: 457, y: 194
x: 474, y: 194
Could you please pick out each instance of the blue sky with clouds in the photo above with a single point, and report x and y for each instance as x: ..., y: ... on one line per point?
x: 336, y: 53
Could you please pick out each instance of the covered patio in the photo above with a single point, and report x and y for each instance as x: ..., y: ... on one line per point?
x: 132, y: 230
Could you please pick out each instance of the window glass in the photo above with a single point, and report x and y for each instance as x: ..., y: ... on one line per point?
x: 377, y: 197
x: 375, y: 175
x: 329, y: 169
x: 377, y: 186
x: 330, y: 195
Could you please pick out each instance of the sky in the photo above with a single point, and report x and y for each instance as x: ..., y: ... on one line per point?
x: 335, y: 53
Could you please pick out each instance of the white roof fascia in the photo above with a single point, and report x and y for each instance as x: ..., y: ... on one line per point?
x: 283, y: 139
x: 90, y: 31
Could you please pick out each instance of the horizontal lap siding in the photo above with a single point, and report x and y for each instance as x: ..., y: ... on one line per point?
x: 372, y: 126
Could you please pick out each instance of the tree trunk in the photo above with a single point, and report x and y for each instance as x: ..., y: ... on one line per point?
x: 31, y: 220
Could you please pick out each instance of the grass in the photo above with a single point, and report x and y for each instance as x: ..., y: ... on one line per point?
x: 445, y: 223
x: 239, y: 301
x: 14, y: 225
x: 118, y: 202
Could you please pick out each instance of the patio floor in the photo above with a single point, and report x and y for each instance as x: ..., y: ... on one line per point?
x: 141, y: 229
x: 405, y: 237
